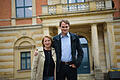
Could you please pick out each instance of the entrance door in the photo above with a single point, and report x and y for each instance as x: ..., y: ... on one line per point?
x: 85, y: 65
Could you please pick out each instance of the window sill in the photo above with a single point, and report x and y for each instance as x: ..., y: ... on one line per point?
x: 22, y: 18
x: 20, y: 71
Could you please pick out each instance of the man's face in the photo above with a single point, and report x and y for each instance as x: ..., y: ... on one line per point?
x: 64, y: 28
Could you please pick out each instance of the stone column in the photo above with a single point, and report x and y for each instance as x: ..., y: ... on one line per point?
x: 95, y: 52
x: 33, y: 12
x: 95, y: 46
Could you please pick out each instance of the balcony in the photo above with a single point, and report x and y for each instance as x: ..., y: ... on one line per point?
x: 77, y: 7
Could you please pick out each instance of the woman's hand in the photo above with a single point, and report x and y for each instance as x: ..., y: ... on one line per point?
x: 36, y: 52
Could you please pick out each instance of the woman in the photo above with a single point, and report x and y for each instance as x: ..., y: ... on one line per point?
x: 43, y: 67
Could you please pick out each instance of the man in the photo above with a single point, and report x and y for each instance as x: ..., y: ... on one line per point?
x: 68, y: 52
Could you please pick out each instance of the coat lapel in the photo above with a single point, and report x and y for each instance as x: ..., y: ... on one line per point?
x: 72, y: 41
x: 42, y: 53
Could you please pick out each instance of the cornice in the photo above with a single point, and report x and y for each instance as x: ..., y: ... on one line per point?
x: 110, y: 11
x: 20, y: 27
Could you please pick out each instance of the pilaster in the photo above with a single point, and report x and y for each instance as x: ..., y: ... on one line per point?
x: 33, y: 12
x: 46, y: 31
x: 59, y: 30
x: 111, y: 43
x: 108, y: 62
x: 13, y: 12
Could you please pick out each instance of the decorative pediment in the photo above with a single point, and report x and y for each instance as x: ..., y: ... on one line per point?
x: 24, y: 42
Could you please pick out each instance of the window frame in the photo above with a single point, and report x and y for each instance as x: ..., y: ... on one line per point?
x: 22, y: 7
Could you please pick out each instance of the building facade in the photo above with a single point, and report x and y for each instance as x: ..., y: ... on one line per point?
x: 23, y: 23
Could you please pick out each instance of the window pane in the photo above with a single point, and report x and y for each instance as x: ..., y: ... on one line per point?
x: 19, y: 3
x: 28, y: 54
x: 25, y: 60
x: 28, y: 12
x: 23, y: 55
x: 71, y: 1
x: 23, y: 63
x: 28, y: 2
x: 80, y: 0
x: 85, y: 56
x: 20, y: 12
x: 28, y: 63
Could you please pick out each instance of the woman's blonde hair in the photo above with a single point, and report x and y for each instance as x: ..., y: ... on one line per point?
x: 49, y: 37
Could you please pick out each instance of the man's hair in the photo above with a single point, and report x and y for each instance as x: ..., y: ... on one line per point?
x: 65, y: 21
x: 49, y: 37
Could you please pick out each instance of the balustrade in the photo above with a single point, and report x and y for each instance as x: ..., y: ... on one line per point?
x: 77, y: 7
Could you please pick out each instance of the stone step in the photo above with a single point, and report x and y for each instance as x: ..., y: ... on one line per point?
x: 86, y: 77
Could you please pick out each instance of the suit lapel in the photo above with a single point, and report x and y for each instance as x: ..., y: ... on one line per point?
x: 59, y: 45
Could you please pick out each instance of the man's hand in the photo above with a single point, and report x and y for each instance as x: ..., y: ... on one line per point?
x: 36, y: 52
x: 73, y: 66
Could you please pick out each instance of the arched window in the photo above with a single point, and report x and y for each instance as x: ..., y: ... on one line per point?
x: 85, y: 65
x: 24, y: 48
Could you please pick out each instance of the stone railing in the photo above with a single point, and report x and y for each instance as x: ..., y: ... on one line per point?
x: 76, y: 7
x: 80, y: 7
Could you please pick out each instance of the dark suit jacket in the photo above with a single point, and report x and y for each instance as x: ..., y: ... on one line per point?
x: 75, y: 46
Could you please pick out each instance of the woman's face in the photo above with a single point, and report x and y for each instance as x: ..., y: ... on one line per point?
x: 47, y: 42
